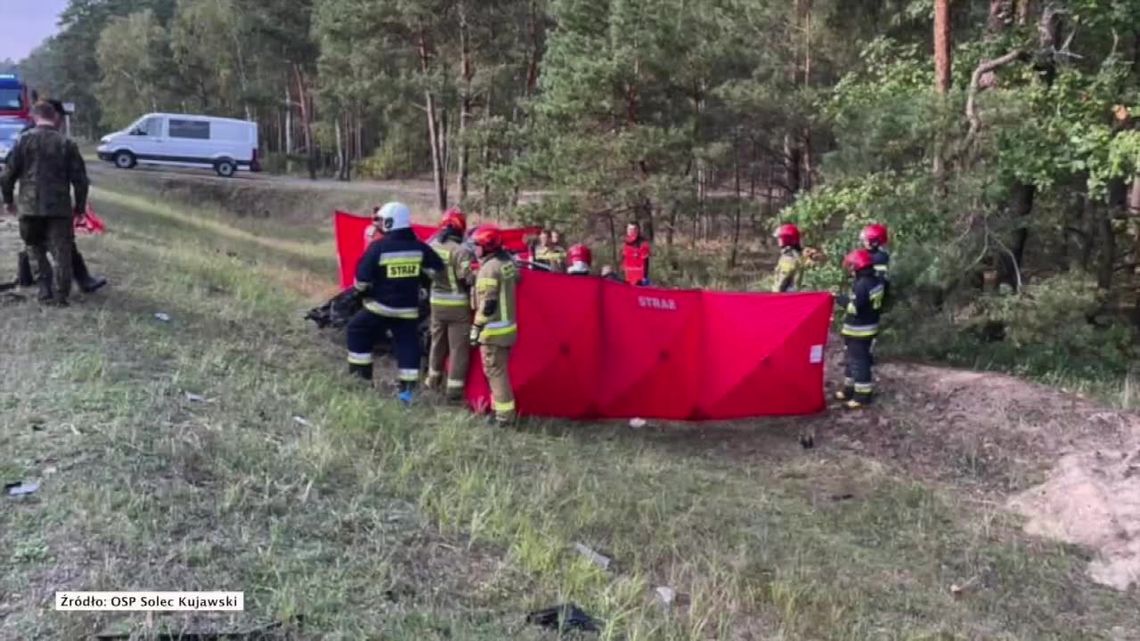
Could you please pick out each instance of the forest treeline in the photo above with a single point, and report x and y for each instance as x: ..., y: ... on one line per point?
x: 997, y: 138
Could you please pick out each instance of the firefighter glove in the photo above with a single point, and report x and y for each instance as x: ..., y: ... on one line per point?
x: 476, y: 330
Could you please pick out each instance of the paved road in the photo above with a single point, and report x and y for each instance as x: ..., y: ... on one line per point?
x: 418, y: 187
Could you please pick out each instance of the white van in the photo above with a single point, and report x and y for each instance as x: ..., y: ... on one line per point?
x: 181, y: 140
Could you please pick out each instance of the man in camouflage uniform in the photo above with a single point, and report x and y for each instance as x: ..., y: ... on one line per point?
x: 48, y: 167
x: 88, y: 283
x: 495, y: 329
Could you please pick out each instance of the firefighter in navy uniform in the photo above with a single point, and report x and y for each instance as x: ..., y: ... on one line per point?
x: 875, y: 237
x: 860, y: 327
x: 389, y: 276
x: 495, y: 329
x: 451, y: 306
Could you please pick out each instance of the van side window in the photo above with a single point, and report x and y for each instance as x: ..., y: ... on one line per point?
x: 193, y: 129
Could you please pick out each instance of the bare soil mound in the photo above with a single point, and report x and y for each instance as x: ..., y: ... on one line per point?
x: 1092, y: 498
x: 1073, y: 468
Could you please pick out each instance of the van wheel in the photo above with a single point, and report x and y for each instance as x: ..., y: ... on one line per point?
x: 125, y: 160
x: 225, y: 168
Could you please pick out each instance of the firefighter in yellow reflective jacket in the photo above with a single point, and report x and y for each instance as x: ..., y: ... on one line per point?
x: 451, y: 306
x: 495, y: 329
x: 549, y: 252
x: 789, y: 268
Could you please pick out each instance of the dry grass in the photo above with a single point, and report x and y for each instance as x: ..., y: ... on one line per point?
x: 379, y: 523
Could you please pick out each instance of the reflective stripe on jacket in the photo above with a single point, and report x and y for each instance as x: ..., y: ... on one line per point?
x: 864, y: 306
x: 495, y: 309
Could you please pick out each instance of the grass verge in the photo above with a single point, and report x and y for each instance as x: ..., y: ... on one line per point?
x: 378, y: 523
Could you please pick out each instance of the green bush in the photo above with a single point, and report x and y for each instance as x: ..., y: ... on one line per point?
x: 1053, y: 327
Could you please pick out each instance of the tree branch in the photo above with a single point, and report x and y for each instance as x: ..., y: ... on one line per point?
x: 975, y: 86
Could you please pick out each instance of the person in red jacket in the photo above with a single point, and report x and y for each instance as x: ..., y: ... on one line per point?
x: 635, y: 256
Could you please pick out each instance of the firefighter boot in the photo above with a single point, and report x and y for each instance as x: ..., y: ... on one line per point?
x: 407, y: 393
x: 862, y: 398
x: 363, y: 372
x: 848, y: 391
x: 88, y: 284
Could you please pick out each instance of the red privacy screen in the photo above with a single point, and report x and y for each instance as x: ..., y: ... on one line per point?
x: 591, y: 348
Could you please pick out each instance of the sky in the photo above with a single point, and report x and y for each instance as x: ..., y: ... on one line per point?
x: 25, y: 23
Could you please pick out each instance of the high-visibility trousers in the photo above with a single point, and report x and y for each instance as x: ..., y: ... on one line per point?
x: 495, y: 359
x: 450, y: 342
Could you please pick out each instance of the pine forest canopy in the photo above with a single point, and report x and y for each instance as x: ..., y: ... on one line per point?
x: 993, y: 136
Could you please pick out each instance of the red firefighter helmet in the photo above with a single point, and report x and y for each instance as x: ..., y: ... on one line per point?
x: 788, y: 235
x: 875, y: 235
x: 580, y: 259
x: 488, y: 237
x: 858, y: 260
x: 455, y: 220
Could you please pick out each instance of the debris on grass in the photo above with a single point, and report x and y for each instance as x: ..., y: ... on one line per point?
x: 301, y: 420
x: 638, y: 423
x: 255, y: 633
x: 21, y: 488
x: 162, y: 316
x: 196, y: 398
x: 597, y: 559
x: 665, y: 595
x: 959, y: 590
x: 564, y: 618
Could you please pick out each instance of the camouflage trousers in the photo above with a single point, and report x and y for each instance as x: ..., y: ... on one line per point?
x: 55, y: 236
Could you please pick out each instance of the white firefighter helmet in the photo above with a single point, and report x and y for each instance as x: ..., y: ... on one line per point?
x: 395, y: 216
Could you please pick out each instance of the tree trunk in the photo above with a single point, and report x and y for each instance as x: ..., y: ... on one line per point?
x: 793, y: 161
x: 306, y: 120
x: 1021, y: 207
x: 1104, y: 268
x: 1134, y: 197
x: 288, y: 121
x: 439, y: 172
x: 467, y: 72
x: 358, y: 122
x: 806, y: 176
x: 942, y: 46
x: 339, y: 149
x: 736, y: 225
x: 942, y: 79
x: 534, y: 33
x: 444, y: 143
x: 1049, y: 31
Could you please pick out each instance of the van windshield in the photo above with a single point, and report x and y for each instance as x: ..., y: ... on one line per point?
x: 11, y: 99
